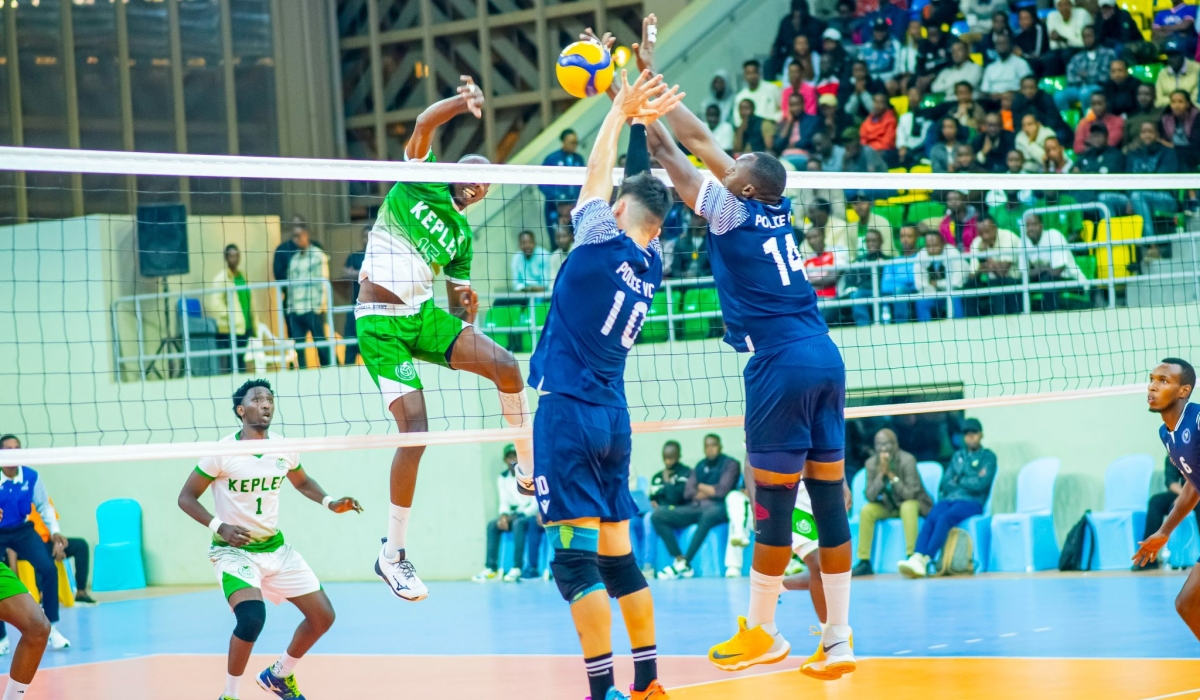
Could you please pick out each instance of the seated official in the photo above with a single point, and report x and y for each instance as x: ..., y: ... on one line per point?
x: 894, y: 490
x: 704, y: 493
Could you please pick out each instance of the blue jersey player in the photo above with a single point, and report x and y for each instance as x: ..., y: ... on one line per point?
x: 581, y: 432
x: 1171, y: 385
x: 795, y: 381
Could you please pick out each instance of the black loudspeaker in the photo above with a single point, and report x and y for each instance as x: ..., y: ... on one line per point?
x: 162, y: 240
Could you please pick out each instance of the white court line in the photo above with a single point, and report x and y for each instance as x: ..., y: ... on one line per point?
x: 1174, y: 695
x: 972, y: 641
x: 939, y: 646
x: 1008, y: 634
x: 906, y: 651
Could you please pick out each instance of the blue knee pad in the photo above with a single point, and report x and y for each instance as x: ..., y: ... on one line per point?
x: 829, y: 510
x: 621, y: 575
x: 576, y: 564
x: 773, y: 506
x: 251, y: 616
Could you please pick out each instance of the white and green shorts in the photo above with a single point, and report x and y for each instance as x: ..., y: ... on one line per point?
x: 280, y: 575
x: 390, y: 341
x: 804, y: 526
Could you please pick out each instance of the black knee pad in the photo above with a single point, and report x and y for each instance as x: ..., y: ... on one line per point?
x: 829, y: 510
x: 773, y: 506
x: 577, y: 573
x: 251, y: 616
x: 621, y: 575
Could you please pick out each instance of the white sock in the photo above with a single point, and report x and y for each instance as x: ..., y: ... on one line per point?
x: 15, y: 690
x: 764, y: 598
x: 516, y: 412
x: 233, y: 686
x: 837, y: 597
x: 285, y: 665
x: 397, y: 530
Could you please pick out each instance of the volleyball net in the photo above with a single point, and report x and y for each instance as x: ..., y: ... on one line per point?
x: 138, y: 291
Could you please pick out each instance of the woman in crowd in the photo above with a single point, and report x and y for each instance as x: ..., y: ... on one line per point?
x: 1031, y: 142
x: 1031, y: 41
x: 800, y: 87
x: 802, y: 55
x: 720, y: 93
x: 1056, y: 160
x: 911, y: 131
x: 1181, y: 130
x: 755, y: 132
x: 950, y: 136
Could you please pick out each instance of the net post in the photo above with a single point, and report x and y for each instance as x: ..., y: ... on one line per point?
x: 233, y: 346
x: 116, y: 343
x: 669, y: 286
x: 331, y: 341
x: 280, y: 317
x: 1026, y: 305
x: 181, y: 313
x: 141, y: 337
x: 876, y: 302
x: 1108, y: 243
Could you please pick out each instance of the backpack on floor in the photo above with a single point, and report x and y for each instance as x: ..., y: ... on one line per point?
x: 1081, y: 536
x: 958, y: 555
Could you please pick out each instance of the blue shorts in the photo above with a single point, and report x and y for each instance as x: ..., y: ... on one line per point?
x: 581, y: 460
x: 796, y: 398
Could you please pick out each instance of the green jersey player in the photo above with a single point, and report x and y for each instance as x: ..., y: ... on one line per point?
x: 421, y: 231
x: 248, y: 552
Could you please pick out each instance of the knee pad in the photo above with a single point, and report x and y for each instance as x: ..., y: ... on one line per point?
x: 251, y: 616
x: 829, y: 510
x: 577, y: 573
x: 773, y: 506
x: 621, y: 575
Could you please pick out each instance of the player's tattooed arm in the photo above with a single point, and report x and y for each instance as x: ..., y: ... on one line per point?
x: 1184, y: 505
x: 469, y: 98
x: 313, y: 491
x: 189, y: 502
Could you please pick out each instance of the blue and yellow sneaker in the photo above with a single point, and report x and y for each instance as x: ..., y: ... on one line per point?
x: 284, y: 688
x: 749, y: 647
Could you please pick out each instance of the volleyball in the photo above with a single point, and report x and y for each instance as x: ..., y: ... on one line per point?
x: 584, y: 69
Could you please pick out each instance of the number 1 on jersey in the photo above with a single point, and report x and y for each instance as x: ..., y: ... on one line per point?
x: 794, y: 260
x: 632, y: 328
x: 259, y: 511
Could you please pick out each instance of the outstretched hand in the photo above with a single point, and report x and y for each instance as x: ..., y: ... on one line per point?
x: 608, y: 41
x: 644, y: 49
x: 471, y: 94
x: 1148, y: 549
x: 661, y: 105
x: 345, y: 505
x: 631, y: 99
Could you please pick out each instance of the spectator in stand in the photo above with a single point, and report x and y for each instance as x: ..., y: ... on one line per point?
x: 860, y: 158
x: 993, y: 144
x: 908, y: 60
x: 987, y: 45
x: 1056, y: 160
x: 857, y: 284
x: 707, y: 485
x: 1144, y: 112
x: 564, y: 241
x: 869, y: 221
x: 691, y: 251
x: 796, y: 23
x: 933, y: 54
x: 1099, y: 115
x: 1160, y: 504
x: 964, y: 109
x: 833, y: 63
x: 1049, y: 258
x: 878, y: 131
x: 1031, y: 41
x: 950, y: 137
x: 217, y: 307
x: 1151, y: 157
x: 1121, y: 89
x: 912, y: 129
x: 308, y: 272
x: 894, y: 490
x: 529, y: 270
x: 753, y: 132
x: 567, y: 156
x: 960, y: 224
x: 801, y: 88
x: 517, y: 514
x: 881, y: 53
x: 965, y: 160
x: 763, y: 95
x: 937, y: 270
x: 985, y: 15
x: 1181, y: 128
x: 1180, y: 73
x: 1065, y: 25
x: 1031, y: 100
x: 350, y: 271
x: 793, y: 140
x: 1005, y: 73
x: 1086, y: 72
x: 834, y: 122
x: 804, y: 199
x: 1099, y: 157
x: 855, y: 95
x: 1179, y: 22
x: 283, y: 256
x: 827, y: 154
x: 667, y: 486
x: 998, y: 254
x: 895, y: 279
x: 720, y: 95
x: 837, y: 231
x: 846, y: 24
x: 1117, y: 30
x: 805, y: 72
x: 962, y: 493
x: 722, y: 131
x: 1031, y: 142
x: 961, y: 70
x: 823, y: 266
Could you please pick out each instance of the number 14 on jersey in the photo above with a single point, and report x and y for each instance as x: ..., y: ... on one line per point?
x: 794, y: 260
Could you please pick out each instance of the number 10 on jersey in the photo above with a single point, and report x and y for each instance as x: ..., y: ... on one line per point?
x: 794, y: 260
x: 637, y: 316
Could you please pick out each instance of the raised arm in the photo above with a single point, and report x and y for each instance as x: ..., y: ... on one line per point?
x: 630, y: 102
x: 684, y: 176
x: 468, y: 99
x: 688, y: 128
x: 313, y: 491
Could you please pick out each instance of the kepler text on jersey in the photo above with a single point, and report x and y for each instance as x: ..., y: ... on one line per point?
x: 777, y: 221
x: 635, y: 283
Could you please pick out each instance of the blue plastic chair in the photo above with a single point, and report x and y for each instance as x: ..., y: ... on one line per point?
x: 931, y: 477
x: 119, y: 565
x: 1184, y: 545
x: 710, y: 558
x: 979, y: 527
x: 1025, y: 541
x: 1120, y: 525
x: 858, y: 493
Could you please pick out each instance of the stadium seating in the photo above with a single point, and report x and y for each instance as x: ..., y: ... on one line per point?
x: 697, y: 300
x: 710, y: 558
x: 66, y: 581
x: 507, y: 317
x: 1025, y: 540
x: 931, y: 477
x: 1119, y: 526
x: 655, y: 329
x: 1125, y: 228
x: 858, y: 499
x: 119, y: 565
x: 1183, y: 549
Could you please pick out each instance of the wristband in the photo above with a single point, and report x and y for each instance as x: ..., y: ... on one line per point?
x: 326, y: 501
x: 215, y: 524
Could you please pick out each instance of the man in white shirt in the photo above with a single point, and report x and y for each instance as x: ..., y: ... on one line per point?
x: 721, y: 131
x: 963, y: 70
x: 530, y: 266
x: 1066, y: 26
x: 1004, y: 74
x: 996, y: 262
x: 767, y: 98
x: 516, y: 514
x: 938, y: 269
x: 1050, y: 259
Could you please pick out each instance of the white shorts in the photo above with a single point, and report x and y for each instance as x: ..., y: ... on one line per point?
x: 280, y: 575
x: 804, y: 526
x: 394, y: 264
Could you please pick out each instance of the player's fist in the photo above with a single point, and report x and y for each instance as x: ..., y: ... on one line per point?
x: 471, y: 94
x: 345, y: 505
x: 468, y: 299
x: 235, y: 535
x: 1148, y: 549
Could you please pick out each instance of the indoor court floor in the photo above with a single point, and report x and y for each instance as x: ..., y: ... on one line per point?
x: 1094, y: 636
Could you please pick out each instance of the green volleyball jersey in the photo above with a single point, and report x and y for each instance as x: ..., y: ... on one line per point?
x: 424, y: 215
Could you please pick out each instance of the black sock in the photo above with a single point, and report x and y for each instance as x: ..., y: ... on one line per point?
x: 600, y: 675
x: 645, y: 667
